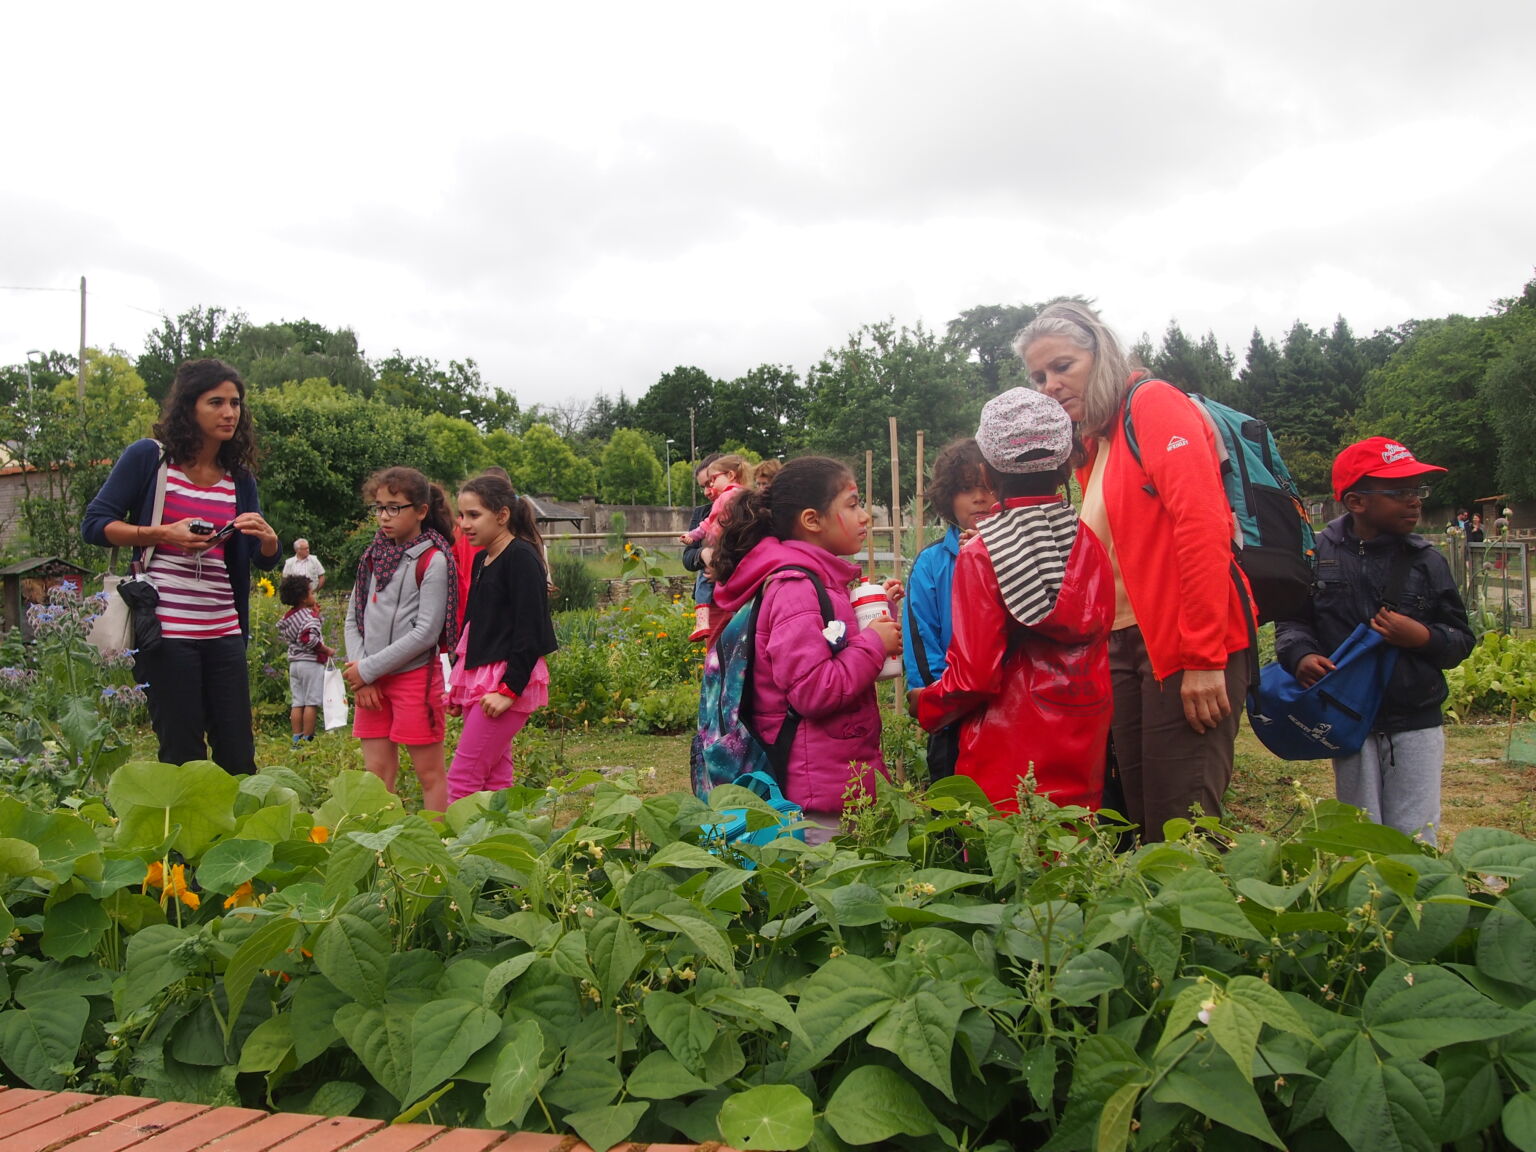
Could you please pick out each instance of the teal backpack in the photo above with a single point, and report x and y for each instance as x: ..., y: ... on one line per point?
x: 1278, y: 550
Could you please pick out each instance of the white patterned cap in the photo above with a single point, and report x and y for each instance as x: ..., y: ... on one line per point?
x: 1024, y: 431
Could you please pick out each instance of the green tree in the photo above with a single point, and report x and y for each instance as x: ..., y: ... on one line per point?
x: 664, y: 409
x: 630, y: 474
x: 319, y: 445
x: 505, y: 451
x: 549, y: 466
x: 884, y: 371
x: 455, y: 450
x: 984, y: 335
x: 1508, y: 394
x: 1201, y: 367
x: 763, y: 410
x: 66, y: 452
x: 20, y: 381
x: 196, y: 333
x: 1428, y: 396
x: 684, y: 490
x: 269, y: 355
x: 457, y: 390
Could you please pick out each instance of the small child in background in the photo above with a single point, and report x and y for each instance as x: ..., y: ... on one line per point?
x: 961, y: 494
x: 299, y: 628
x: 726, y: 476
x: 763, y: 474
x: 1034, y: 595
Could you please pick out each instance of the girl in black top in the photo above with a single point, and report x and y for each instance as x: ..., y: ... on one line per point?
x: 500, y: 675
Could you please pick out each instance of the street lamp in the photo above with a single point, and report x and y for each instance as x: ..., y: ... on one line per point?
x: 669, y: 471
x: 31, y: 352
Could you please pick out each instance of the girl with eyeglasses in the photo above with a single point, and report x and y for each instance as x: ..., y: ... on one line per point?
x: 402, y: 612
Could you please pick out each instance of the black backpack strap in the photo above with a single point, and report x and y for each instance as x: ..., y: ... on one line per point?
x: 778, y: 751
x: 919, y: 649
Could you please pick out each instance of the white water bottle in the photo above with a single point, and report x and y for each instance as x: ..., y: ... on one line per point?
x: 869, y: 604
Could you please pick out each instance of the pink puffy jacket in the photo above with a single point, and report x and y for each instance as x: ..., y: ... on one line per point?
x: 793, y: 666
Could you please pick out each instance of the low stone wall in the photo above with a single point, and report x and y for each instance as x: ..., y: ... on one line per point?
x: 617, y: 591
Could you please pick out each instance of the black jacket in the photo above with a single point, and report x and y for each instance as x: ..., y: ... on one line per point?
x: 508, y: 613
x: 1352, y: 577
x: 691, y: 558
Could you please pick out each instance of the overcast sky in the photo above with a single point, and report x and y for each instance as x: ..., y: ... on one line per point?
x: 582, y: 196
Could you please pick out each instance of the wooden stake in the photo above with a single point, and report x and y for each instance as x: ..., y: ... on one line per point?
x: 895, y: 502
x: 869, y: 494
x: 918, y: 510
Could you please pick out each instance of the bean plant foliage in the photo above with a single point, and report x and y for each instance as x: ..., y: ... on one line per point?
x: 580, y: 958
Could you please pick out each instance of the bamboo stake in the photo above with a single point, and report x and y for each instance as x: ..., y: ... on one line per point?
x: 895, y: 500
x: 869, y: 494
x: 918, y: 510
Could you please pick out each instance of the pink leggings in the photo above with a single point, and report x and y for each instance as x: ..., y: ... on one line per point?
x: 483, y: 760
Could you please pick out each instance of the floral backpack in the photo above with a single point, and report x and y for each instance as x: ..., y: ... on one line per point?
x: 727, y: 746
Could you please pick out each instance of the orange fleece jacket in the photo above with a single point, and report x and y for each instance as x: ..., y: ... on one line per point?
x: 1174, y: 547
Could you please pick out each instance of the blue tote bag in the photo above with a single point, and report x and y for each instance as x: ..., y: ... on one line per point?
x: 1333, y: 717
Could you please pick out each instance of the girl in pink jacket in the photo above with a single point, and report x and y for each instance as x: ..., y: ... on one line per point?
x: 810, y: 516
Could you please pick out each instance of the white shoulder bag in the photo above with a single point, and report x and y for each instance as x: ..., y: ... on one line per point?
x: 112, y: 631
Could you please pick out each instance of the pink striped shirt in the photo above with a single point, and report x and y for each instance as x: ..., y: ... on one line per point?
x: 196, y: 601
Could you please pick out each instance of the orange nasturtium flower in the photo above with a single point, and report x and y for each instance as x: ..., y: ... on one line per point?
x: 154, y: 877
x: 319, y: 834
x: 242, y: 897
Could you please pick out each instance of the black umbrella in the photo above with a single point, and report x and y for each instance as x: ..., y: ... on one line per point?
x: 142, y: 599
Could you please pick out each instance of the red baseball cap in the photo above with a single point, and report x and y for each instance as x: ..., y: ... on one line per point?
x: 1376, y: 456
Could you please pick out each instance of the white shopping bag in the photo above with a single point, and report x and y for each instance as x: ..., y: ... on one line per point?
x: 334, y: 698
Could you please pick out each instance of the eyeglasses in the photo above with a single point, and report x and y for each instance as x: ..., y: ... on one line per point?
x: 387, y: 511
x: 1401, y: 495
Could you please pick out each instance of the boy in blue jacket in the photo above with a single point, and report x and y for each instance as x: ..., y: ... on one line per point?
x: 961, y: 496
x: 1395, y: 777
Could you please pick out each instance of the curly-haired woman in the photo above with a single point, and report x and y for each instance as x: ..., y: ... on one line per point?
x: 197, y: 681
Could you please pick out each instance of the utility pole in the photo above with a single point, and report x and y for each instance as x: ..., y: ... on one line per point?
x: 693, y: 448
x: 80, y: 375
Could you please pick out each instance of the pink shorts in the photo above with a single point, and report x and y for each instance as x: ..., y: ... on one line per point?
x: 413, y: 708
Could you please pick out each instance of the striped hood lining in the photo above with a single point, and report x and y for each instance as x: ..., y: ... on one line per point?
x: 1029, y: 547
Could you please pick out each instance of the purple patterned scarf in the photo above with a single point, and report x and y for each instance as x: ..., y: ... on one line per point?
x: 378, y: 566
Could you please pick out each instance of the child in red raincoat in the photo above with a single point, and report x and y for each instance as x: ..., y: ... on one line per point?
x: 1033, y: 602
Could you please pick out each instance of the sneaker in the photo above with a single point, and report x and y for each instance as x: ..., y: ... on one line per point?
x: 699, y: 634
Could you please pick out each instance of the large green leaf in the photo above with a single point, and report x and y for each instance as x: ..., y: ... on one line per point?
x: 19, y: 859
x: 444, y: 1035
x: 39, y: 1041
x: 353, y: 794
x: 59, y: 838
x: 1493, y: 852
x: 615, y: 951
x: 381, y: 1037
x: 268, y: 1045
x: 354, y: 956
x: 874, y: 1103
x: 920, y: 1029
x: 1383, y: 1106
x: 1084, y: 977
x: 231, y: 863
x: 659, y: 1076
x: 1214, y: 1088
x: 1412, y: 1010
x: 1203, y: 903
x: 1244, y: 1007
x: 194, y: 801
x: 770, y: 1116
x: 73, y: 927
x: 1519, y: 1120
x: 687, y: 1031
x: 520, y: 1074
x: 257, y: 953
x: 842, y: 998
x: 1506, y: 944
x: 152, y: 967
x: 604, y: 1127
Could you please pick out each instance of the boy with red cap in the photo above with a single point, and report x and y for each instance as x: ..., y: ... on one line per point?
x: 1395, y: 777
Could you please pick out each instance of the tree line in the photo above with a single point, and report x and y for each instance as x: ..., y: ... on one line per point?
x: 1461, y: 391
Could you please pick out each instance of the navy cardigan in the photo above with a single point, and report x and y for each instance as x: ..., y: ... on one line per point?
x: 129, y: 495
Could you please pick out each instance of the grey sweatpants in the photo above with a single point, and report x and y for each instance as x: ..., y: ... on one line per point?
x: 1395, y: 777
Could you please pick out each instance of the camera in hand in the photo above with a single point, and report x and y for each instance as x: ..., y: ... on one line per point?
x: 200, y: 528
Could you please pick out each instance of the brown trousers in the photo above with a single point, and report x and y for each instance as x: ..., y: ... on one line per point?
x: 1166, y: 766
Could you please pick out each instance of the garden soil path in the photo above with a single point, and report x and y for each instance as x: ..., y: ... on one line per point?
x: 33, y: 1121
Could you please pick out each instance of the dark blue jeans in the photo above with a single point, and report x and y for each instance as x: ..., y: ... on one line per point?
x: 199, y: 688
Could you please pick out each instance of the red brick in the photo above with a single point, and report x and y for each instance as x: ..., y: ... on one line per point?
x: 13, y: 1098
x: 38, y: 1111
x: 478, y: 1139
x: 398, y: 1138
x: 331, y: 1133
x: 202, y: 1130
x: 137, y: 1128
x: 266, y: 1133
x: 61, y: 1129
